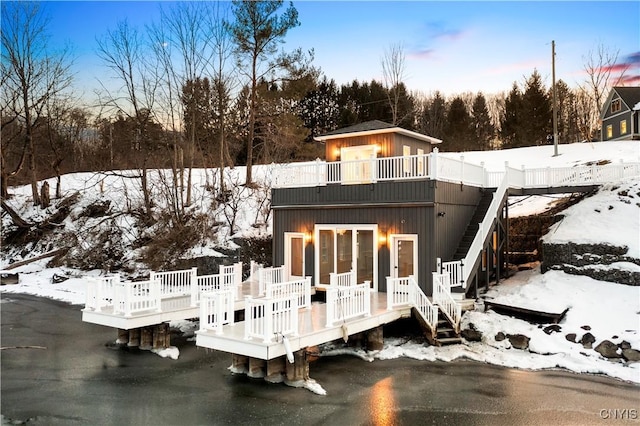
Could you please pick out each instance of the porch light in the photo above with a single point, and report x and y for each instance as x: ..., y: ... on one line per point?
x: 308, y: 237
x: 382, y: 238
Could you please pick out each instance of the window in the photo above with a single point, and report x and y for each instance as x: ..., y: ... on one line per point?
x: 420, y: 161
x: 623, y: 127
x: 406, y: 152
x: 615, y: 105
x: 609, y: 131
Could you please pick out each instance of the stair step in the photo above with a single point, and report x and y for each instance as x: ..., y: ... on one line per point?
x: 448, y: 341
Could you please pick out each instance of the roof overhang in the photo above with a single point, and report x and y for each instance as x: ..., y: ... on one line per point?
x: 399, y: 130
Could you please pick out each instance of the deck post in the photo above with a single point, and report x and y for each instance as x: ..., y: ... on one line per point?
x: 256, y: 368
x: 134, y: 337
x: 123, y: 337
x: 161, y: 336
x: 239, y: 364
x: 276, y: 369
x: 375, y: 339
x: 146, y: 338
x: 298, y: 372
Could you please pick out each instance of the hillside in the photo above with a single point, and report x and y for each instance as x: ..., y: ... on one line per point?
x: 99, y: 221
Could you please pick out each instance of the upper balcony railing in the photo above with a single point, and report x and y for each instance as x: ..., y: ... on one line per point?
x: 444, y: 168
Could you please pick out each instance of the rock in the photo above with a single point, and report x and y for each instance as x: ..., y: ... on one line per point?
x: 607, y: 349
x: 553, y: 328
x: 471, y: 335
x: 631, y: 355
x: 519, y: 341
x: 571, y: 337
x: 624, y: 345
x: 500, y: 336
x: 587, y: 340
x: 586, y: 327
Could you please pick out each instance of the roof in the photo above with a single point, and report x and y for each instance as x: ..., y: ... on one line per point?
x: 374, y: 127
x: 629, y: 95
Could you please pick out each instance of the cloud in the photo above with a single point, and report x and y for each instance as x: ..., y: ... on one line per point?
x: 433, y: 34
x: 422, y: 54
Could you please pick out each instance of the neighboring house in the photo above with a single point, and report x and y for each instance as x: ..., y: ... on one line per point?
x: 620, y: 114
x: 374, y: 208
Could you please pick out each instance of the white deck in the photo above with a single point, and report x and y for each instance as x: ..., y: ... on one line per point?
x: 312, y: 330
x: 172, y: 309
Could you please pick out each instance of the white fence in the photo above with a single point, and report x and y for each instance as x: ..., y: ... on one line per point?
x: 216, y: 309
x: 300, y: 288
x: 442, y: 298
x: 229, y: 278
x: 268, y: 276
x: 175, y: 283
x: 138, y: 296
x: 101, y: 292
x: 266, y: 318
x: 344, y: 279
x: 405, y: 291
x: 344, y: 303
x: 455, y: 269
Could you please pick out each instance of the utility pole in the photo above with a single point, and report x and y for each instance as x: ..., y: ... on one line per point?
x: 555, y: 106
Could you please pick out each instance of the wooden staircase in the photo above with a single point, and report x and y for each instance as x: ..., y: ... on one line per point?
x: 445, y: 334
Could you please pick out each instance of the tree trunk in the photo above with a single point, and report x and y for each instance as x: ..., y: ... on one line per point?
x: 45, y: 197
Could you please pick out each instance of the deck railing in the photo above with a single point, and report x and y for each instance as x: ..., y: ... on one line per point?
x: 442, y: 167
x: 301, y: 288
x: 266, y: 318
x: 405, y: 291
x: 455, y: 270
x: 217, y: 309
x: 175, y: 283
x: 137, y: 296
x: 345, y: 303
x: 229, y: 278
x: 446, y: 303
x: 344, y: 279
x: 101, y: 292
x: 271, y: 275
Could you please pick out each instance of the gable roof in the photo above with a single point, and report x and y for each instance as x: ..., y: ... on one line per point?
x: 629, y: 95
x: 373, y: 127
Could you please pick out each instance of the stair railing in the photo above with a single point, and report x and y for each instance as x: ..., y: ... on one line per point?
x: 442, y: 297
x: 406, y: 291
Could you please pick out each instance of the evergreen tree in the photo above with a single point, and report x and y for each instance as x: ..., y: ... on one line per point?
x: 536, y: 109
x: 481, y: 123
x: 510, y: 124
x: 433, y: 116
x: 459, y: 133
x: 319, y: 109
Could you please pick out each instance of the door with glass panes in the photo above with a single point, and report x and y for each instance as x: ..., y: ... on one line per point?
x: 294, y: 255
x: 404, y: 255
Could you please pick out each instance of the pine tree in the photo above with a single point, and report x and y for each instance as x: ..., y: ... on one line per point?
x: 459, y: 133
x: 481, y: 123
x: 536, y: 108
x: 511, y: 119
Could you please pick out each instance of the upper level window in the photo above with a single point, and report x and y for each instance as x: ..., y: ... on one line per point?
x: 609, y: 131
x: 615, y: 105
x: 623, y: 127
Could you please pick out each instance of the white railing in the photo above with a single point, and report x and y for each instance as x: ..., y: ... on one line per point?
x: 254, y: 267
x: 454, y: 269
x: 484, y: 228
x: 441, y: 167
x: 229, y: 278
x: 216, y: 309
x: 101, y: 292
x: 268, y: 276
x: 442, y: 298
x: 344, y: 279
x: 405, y: 291
x: 266, y: 319
x: 137, y: 296
x: 301, y: 288
x: 345, y: 303
x: 175, y: 283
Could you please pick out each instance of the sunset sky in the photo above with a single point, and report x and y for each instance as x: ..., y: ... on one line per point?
x: 453, y: 46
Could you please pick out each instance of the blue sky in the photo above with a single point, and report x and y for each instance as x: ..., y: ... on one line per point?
x: 451, y: 46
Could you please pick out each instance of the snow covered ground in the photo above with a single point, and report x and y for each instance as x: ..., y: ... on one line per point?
x: 606, y: 310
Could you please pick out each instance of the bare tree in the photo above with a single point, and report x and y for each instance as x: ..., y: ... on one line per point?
x: 602, y: 74
x: 393, y: 71
x: 31, y: 75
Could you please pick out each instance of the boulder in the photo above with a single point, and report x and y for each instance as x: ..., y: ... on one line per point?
x: 624, y: 345
x: 518, y: 341
x: 553, y: 328
x: 571, y: 337
x: 588, y: 340
x: 500, y: 336
x: 607, y: 349
x: 631, y: 355
x: 471, y: 335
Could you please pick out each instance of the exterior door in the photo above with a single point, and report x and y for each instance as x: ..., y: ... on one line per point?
x: 404, y: 255
x: 353, y: 164
x: 294, y: 255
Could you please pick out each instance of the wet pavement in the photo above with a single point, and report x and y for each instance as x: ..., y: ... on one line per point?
x: 57, y: 370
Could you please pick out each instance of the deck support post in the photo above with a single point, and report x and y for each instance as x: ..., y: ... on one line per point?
x: 161, y: 336
x: 123, y: 337
x: 298, y: 372
x: 276, y: 369
x: 256, y: 368
x: 239, y: 364
x: 146, y: 338
x: 375, y: 339
x: 134, y: 337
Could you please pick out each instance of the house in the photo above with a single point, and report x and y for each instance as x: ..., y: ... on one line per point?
x: 620, y: 114
x: 374, y: 207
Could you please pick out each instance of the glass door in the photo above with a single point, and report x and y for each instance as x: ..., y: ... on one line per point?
x: 294, y: 255
x: 404, y: 255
